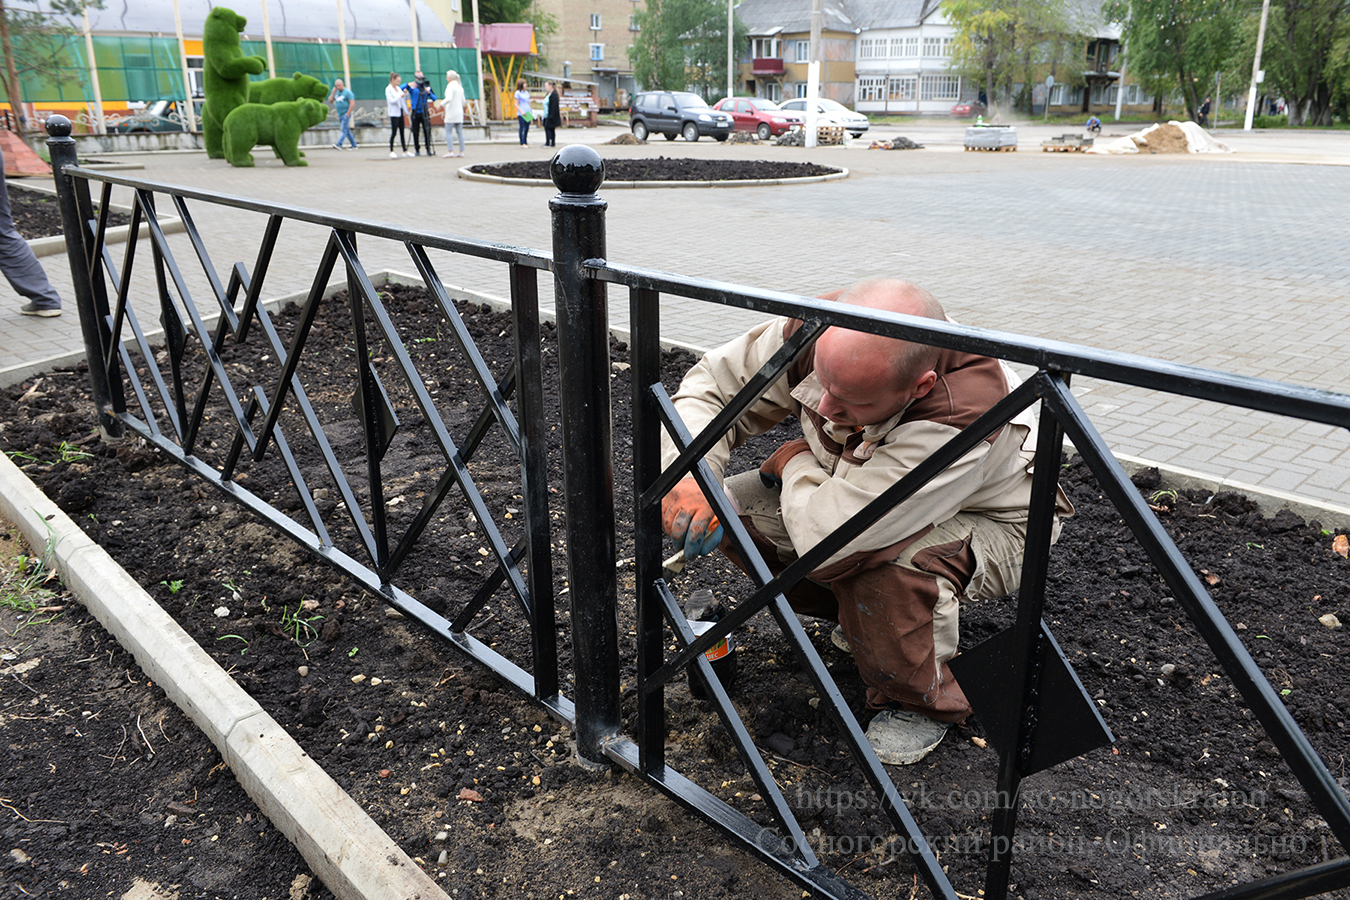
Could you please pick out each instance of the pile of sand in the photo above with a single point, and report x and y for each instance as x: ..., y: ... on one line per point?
x: 1167, y: 138
x: 624, y: 139
x: 1173, y: 137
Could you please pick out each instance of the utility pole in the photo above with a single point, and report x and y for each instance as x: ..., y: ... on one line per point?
x: 731, y: 32
x: 1256, y: 66
x: 813, y: 72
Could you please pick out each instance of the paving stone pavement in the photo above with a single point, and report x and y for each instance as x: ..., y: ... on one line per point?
x: 1232, y: 262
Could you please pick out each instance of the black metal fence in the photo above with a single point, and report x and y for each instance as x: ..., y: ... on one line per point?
x: 1021, y: 686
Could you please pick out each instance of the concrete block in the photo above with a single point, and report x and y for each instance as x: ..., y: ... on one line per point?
x: 346, y: 849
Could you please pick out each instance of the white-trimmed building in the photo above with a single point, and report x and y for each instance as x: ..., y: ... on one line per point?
x: 904, y: 56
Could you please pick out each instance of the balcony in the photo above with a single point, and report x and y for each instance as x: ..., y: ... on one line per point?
x: 766, y: 66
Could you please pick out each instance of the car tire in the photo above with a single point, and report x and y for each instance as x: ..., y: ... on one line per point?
x: 670, y: 135
x: 856, y: 134
x: 764, y: 131
x: 720, y: 137
x: 690, y: 131
x: 640, y: 130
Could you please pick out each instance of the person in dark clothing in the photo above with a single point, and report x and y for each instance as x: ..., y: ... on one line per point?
x: 552, y: 114
x: 420, y: 96
x: 1204, y: 114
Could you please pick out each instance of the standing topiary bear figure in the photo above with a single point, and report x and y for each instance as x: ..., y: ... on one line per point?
x: 224, y: 76
x: 277, y: 125
x: 297, y: 87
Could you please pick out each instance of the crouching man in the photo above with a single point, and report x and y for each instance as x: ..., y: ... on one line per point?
x: 871, y: 409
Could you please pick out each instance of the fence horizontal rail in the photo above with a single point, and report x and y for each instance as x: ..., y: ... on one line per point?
x: 1277, y: 397
x: 498, y: 252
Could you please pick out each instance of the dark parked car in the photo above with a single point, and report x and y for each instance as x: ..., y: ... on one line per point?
x: 674, y: 113
x: 763, y: 117
x: 967, y: 108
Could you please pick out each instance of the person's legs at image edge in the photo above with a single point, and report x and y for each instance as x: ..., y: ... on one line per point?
x: 22, y: 269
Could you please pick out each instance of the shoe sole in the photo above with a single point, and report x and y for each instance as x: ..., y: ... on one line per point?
x: 41, y: 313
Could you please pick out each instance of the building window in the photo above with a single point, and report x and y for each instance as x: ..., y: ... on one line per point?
x: 1112, y: 93
x: 905, y: 87
x: 1097, y: 93
x: 773, y: 91
x: 936, y: 48
x: 803, y: 51
x: 801, y: 90
x: 872, y: 88
x: 910, y: 49
x: 940, y: 87
x: 867, y: 48
x: 633, y: 23
x: 595, y: 21
x: 1057, y: 95
x: 764, y: 48
x: 1076, y: 96
x: 196, y: 67
x: 597, y: 52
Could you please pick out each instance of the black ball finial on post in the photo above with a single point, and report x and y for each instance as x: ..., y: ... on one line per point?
x: 577, y: 170
x: 58, y: 126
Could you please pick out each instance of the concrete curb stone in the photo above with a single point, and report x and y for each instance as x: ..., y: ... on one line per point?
x: 342, y: 845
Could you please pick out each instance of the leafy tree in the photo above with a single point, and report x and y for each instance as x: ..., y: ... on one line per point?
x: 1000, y: 43
x: 35, y: 46
x: 1178, y: 44
x: 1304, y: 56
x: 682, y: 45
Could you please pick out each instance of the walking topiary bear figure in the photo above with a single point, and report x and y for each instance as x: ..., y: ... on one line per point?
x: 277, y: 125
x: 297, y: 87
x: 225, y: 72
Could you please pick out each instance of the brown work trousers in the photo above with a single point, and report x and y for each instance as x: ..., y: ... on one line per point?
x: 900, y: 612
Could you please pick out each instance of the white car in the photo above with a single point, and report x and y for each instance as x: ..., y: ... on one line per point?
x: 853, y: 122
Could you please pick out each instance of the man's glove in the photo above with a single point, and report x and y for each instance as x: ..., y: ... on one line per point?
x: 771, y: 470
x: 688, y: 518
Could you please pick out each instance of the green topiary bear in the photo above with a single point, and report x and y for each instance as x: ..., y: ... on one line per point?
x: 277, y: 125
x: 225, y: 74
x: 297, y: 87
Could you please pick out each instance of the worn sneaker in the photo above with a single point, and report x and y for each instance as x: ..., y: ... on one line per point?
x: 407, y: 153
x: 902, y: 738
x: 47, y: 312
x: 393, y: 154
x: 337, y: 146
x: 837, y: 638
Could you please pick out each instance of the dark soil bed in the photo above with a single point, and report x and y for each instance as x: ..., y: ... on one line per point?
x: 662, y: 169
x: 38, y: 214
x: 481, y: 787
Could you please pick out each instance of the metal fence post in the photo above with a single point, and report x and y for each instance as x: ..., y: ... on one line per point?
x: 62, y: 148
x: 588, y: 455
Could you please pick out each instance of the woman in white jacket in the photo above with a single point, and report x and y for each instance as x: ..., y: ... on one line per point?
x: 396, y: 104
x: 453, y: 105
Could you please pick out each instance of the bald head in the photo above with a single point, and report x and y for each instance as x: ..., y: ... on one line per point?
x: 869, y: 378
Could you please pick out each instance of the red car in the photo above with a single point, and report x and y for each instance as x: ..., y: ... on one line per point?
x: 967, y: 108
x: 763, y: 117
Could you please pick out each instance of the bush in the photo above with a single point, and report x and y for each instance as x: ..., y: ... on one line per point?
x: 1270, y: 121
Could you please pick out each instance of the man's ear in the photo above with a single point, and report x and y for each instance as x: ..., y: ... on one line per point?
x: 924, y: 384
